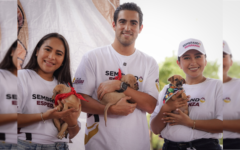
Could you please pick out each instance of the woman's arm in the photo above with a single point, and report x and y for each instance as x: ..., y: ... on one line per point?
x: 28, y: 119
x: 231, y: 125
x: 212, y: 126
x: 157, y: 124
x: 7, y: 118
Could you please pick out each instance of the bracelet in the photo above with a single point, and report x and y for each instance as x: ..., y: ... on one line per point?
x: 194, y: 124
x: 73, y: 126
x: 42, y: 117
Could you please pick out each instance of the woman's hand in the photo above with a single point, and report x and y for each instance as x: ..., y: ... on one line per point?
x: 53, y: 113
x: 72, y: 118
x: 173, y: 104
x: 178, y: 119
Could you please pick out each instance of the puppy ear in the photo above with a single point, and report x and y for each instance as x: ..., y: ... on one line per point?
x: 184, y: 81
x: 171, y: 79
x: 56, y: 91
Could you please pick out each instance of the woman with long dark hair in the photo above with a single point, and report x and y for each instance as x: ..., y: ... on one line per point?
x: 49, y: 65
x: 8, y: 99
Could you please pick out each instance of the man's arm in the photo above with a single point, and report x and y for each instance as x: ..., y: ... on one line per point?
x: 94, y: 107
x: 143, y: 100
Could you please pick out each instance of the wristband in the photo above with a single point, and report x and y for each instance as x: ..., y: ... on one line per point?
x: 42, y: 117
x: 73, y: 126
x: 194, y: 124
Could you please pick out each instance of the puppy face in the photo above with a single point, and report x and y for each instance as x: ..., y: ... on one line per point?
x: 130, y: 80
x: 177, y: 80
x: 59, y: 89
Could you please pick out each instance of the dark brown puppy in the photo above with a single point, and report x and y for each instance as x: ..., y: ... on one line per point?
x: 112, y: 98
x: 70, y: 102
x: 177, y: 81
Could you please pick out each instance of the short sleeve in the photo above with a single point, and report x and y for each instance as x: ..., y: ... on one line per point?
x: 152, y: 82
x: 84, y: 80
x: 219, y: 102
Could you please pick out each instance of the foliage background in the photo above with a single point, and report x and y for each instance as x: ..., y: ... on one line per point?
x: 169, y: 67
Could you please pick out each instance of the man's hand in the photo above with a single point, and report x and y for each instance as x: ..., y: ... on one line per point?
x: 122, y: 107
x: 107, y: 87
x: 173, y: 104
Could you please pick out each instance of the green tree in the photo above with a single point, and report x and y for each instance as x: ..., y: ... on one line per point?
x: 234, y: 71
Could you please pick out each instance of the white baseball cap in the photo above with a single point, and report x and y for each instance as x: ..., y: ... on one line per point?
x: 189, y: 44
x: 226, y: 48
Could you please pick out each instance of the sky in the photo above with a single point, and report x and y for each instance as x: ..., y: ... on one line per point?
x: 231, y: 26
x: 168, y: 22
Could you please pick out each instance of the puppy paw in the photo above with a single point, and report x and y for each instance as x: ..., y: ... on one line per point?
x: 60, y: 135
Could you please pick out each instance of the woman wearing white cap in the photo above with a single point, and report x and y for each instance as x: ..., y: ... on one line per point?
x: 203, y: 127
x: 231, y: 111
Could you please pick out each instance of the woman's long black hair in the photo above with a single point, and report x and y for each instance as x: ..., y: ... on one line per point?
x: 7, y: 62
x: 63, y: 73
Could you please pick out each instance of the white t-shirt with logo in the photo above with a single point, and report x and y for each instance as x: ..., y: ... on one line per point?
x: 35, y: 96
x: 8, y: 103
x: 231, y: 105
x: 122, y: 132
x: 205, y: 104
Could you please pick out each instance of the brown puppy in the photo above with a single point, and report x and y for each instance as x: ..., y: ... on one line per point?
x: 112, y: 98
x: 71, y: 101
x: 177, y: 81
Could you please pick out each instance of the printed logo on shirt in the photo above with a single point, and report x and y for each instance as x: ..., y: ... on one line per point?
x: 140, y: 79
x: 78, y: 81
x: 113, y: 74
x: 45, y: 101
x: 195, y: 101
x: 202, y: 100
x: 192, y: 44
x: 227, y: 100
x: 11, y: 96
x: 157, y: 84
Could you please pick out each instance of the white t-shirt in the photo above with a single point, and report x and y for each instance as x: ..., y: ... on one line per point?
x: 231, y: 105
x: 8, y: 103
x: 35, y: 96
x: 122, y: 132
x: 205, y: 104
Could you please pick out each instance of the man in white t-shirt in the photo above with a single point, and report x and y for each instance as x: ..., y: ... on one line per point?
x: 127, y: 127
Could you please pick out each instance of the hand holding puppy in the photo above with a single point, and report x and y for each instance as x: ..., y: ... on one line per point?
x: 53, y: 113
x: 107, y: 87
x: 177, y: 119
x: 71, y: 119
x: 175, y: 103
x: 122, y: 107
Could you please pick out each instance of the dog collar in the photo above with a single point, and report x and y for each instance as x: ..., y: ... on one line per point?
x: 170, y: 92
x: 119, y: 75
x: 65, y: 95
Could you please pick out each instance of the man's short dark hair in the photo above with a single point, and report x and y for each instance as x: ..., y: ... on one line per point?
x: 179, y: 57
x: 128, y: 6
